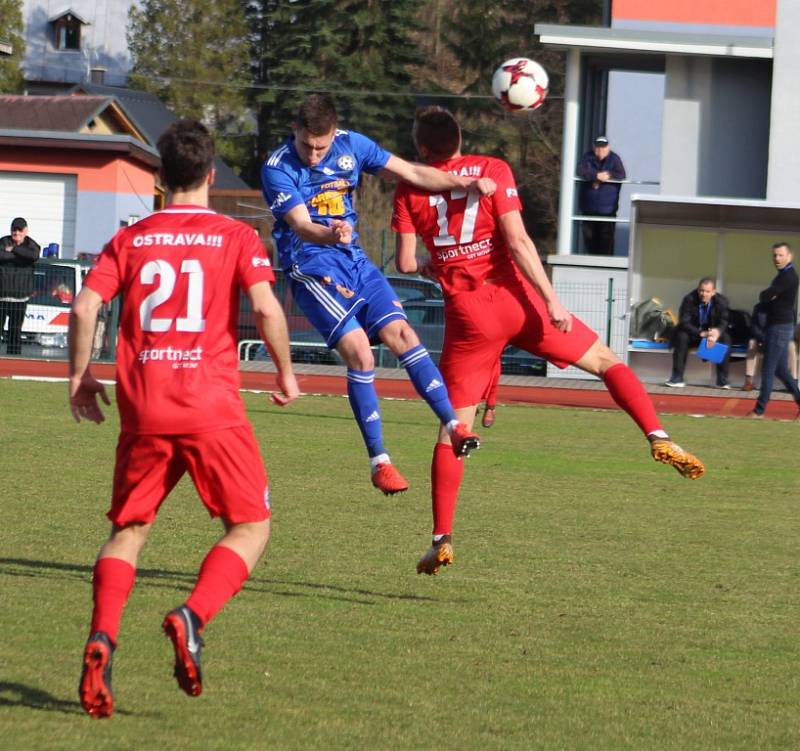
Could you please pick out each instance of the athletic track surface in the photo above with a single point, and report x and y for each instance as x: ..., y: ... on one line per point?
x: 560, y: 392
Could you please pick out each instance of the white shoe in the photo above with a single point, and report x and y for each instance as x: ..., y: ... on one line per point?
x: 675, y: 384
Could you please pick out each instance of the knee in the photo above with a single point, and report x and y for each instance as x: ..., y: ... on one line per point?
x: 399, y: 337
x: 357, y: 355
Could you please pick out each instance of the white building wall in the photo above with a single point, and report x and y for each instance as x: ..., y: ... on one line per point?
x: 784, y: 154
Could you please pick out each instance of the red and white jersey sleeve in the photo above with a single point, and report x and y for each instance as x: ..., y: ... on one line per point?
x: 180, y: 272
x: 459, y: 228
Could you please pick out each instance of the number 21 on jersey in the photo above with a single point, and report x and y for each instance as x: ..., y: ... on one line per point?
x: 193, y: 320
x: 470, y: 214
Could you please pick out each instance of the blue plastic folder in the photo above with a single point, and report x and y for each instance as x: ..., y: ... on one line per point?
x: 714, y: 354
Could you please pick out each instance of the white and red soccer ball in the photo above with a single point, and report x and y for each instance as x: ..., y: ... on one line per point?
x: 520, y: 84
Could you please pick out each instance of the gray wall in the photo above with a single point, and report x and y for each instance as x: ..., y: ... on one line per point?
x: 715, y: 133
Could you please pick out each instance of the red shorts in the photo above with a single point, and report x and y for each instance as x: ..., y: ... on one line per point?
x: 225, y: 466
x: 480, y: 323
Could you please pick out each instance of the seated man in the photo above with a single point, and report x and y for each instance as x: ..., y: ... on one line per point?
x: 703, y: 315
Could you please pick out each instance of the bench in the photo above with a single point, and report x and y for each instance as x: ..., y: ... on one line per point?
x: 647, y: 358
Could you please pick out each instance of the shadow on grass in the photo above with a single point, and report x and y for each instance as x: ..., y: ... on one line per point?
x: 181, y: 580
x: 20, y: 695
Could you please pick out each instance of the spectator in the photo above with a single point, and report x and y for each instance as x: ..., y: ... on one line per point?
x: 703, y: 315
x: 18, y: 253
x: 755, y: 345
x: 780, y: 300
x: 600, y: 169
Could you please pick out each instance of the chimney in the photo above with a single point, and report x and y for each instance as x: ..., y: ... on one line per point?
x: 98, y: 75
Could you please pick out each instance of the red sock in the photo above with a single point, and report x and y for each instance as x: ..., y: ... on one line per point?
x: 221, y: 576
x: 627, y: 391
x: 446, y: 474
x: 112, y: 584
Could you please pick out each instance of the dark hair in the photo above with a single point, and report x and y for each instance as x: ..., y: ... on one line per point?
x: 707, y: 280
x: 437, y: 130
x: 782, y: 245
x: 317, y: 114
x: 187, y: 154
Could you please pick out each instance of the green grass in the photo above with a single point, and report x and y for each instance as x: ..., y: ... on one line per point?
x: 598, y: 600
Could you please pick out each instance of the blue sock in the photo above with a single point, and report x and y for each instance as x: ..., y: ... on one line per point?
x: 364, y: 403
x: 428, y: 382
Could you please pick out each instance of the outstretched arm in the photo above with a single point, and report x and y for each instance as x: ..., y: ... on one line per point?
x: 83, y: 386
x: 527, y: 259
x: 272, y: 327
x: 435, y: 180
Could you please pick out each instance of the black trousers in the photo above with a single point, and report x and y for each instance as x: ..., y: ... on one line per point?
x: 14, y: 313
x: 682, y: 341
x: 598, y: 237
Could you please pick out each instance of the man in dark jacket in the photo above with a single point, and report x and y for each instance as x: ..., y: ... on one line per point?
x: 780, y: 300
x: 703, y: 315
x: 18, y: 253
x: 599, y: 195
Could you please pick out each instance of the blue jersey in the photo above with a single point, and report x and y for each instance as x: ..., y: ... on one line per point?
x: 326, y: 189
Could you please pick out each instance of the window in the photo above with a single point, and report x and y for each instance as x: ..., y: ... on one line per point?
x: 67, y: 32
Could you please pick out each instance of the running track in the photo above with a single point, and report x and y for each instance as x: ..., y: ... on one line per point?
x: 549, y: 391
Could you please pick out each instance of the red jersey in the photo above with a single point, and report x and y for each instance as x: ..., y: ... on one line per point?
x: 459, y: 227
x: 180, y: 272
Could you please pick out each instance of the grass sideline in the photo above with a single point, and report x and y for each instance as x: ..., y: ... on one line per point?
x: 598, y: 600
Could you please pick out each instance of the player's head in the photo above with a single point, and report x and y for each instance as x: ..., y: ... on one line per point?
x: 436, y: 133
x: 187, y: 155
x: 315, y: 128
x: 781, y: 255
x: 19, y: 230
x: 706, y: 288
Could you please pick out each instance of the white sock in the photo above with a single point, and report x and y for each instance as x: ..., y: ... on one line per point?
x: 657, y: 434
x: 374, y: 461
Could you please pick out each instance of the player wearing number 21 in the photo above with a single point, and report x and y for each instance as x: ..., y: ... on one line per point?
x: 180, y: 272
x: 496, y: 293
x: 308, y: 185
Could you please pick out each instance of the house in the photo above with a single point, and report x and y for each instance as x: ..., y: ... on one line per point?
x: 76, y: 167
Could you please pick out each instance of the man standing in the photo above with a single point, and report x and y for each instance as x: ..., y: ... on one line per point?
x: 496, y: 293
x: 703, y: 315
x: 18, y: 253
x: 780, y: 301
x: 599, y: 195
x: 180, y: 272
x: 308, y: 185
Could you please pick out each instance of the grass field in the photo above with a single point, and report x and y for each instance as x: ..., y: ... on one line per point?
x: 598, y: 600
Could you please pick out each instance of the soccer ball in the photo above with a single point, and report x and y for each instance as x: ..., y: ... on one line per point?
x: 520, y: 84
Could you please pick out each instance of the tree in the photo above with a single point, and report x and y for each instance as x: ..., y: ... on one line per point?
x: 195, y: 56
x: 11, y: 76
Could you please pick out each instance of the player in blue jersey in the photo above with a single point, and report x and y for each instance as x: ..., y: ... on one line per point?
x: 308, y: 185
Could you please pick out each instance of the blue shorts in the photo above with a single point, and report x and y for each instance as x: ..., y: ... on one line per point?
x: 339, y: 294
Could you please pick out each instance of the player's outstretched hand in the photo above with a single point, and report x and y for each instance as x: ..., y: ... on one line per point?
x: 486, y: 186
x: 560, y: 317
x: 343, y: 231
x: 288, y: 390
x: 83, y: 398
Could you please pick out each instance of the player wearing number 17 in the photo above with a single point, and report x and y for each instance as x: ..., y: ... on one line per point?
x: 180, y: 272
x: 496, y: 293
x: 308, y: 185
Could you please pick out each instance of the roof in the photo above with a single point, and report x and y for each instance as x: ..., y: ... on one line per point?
x: 50, y: 112
x: 153, y: 117
x: 728, y: 213
x: 616, y: 40
x: 122, y: 144
x: 68, y: 12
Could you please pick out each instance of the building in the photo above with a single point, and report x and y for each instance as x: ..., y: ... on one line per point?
x: 697, y: 96
x: 76, y: 167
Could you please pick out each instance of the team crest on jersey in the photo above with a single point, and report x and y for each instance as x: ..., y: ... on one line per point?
x: 345, y: 162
